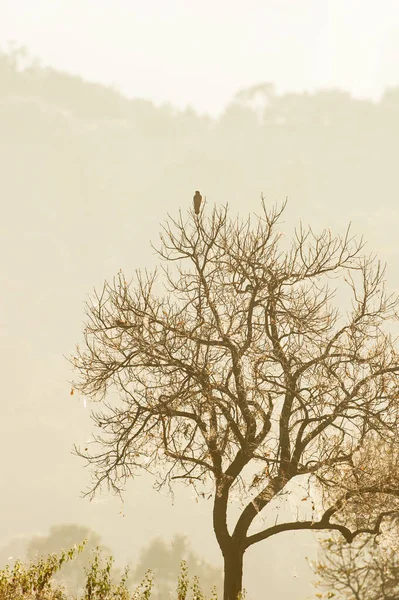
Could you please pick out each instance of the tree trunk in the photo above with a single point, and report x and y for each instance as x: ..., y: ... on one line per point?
x: 233, y: 566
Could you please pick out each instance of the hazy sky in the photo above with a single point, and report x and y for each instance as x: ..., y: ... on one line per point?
x: 201, y: 53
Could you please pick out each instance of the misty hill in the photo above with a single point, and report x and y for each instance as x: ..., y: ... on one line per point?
x: 326, y: 150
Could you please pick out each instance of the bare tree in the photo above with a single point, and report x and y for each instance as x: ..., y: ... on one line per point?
x: 243, y: 361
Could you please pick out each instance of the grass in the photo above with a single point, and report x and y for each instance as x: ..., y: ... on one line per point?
x: 34, y: 581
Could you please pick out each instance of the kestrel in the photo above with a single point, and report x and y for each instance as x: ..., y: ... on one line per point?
x: 197, y: 202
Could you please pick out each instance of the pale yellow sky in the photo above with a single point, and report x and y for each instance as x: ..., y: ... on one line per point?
x: 200, y: 53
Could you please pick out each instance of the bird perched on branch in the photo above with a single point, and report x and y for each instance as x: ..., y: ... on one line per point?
x: 120, y: 323
x: 197, y: 202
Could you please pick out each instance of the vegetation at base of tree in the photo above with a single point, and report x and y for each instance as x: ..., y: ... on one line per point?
x: 34, y: 580
x: 164, y: 559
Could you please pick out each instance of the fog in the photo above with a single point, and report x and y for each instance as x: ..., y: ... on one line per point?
x: 88, y: 174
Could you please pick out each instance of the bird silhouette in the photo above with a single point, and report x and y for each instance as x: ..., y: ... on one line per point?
x: 197, y: 202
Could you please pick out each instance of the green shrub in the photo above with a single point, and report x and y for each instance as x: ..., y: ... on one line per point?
x: 33, y: 581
